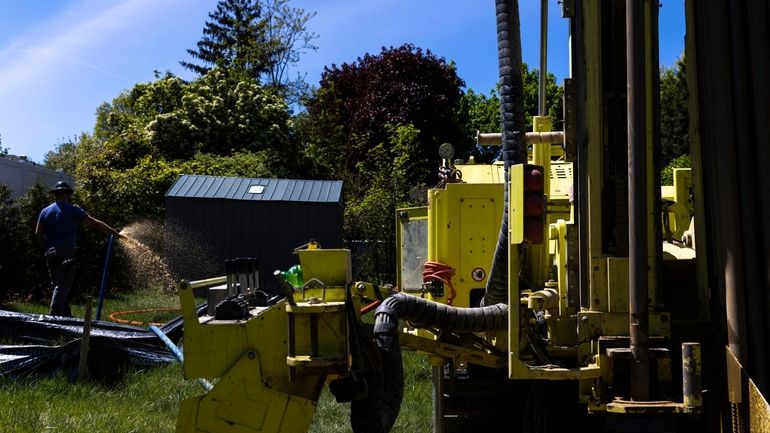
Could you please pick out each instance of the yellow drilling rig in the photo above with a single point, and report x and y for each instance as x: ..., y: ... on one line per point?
x: 556, y: 290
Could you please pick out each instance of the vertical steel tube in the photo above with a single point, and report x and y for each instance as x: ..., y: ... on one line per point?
x: 84, y: 342
x: 438, y: 399
x: 580, y: 187
x: 691, y: 375
x: 542, y: 90
x: 637, y: 200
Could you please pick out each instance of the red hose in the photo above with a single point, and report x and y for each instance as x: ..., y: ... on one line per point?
x: 369, y: 307
x: 443, y: 273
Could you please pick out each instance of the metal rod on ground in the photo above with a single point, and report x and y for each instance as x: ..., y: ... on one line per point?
x: 177, y: 353
x: 637, y: 202
x: 84, y: 341
x: 105, y: 274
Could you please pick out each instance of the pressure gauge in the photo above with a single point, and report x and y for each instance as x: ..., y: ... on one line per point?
x: 446, y: 151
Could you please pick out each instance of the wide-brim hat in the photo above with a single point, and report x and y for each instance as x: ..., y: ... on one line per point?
x: 61, y: 187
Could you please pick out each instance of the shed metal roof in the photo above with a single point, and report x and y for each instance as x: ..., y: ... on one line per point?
x: 237, y: 188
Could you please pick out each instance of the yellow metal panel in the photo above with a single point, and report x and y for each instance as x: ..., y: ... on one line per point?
x: 561, y: 182
x: 330, y: 266
x: 667, y: 192
x: 516, y: 204
x: 594, y: 127
x: 462, y: 218
x: 616, y: 324
x: 318, y: 331
x: 598, y: 289
x: 759, y: 410
x: 682, y: 187
x: 481, y: 173
x: 241, y: 403
x: 617, y: 284
x: 477, y: 239
x: 211, y: 349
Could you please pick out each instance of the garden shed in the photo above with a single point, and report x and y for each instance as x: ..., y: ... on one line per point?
x: 246, y: 217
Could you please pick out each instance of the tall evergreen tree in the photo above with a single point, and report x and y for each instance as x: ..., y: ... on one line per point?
x: 674, y: 117
x: 259, y: 38
x: 235, y: 37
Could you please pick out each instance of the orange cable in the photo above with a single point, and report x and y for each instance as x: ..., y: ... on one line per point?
x: 440, y: 272
x: 115, y: 316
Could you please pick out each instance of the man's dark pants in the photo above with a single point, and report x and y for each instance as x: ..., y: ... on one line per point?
x: 61, y: 267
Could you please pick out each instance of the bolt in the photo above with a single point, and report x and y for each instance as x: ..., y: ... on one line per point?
x: 252, y: 355
x: 361, y: 287
x: 584, y: 319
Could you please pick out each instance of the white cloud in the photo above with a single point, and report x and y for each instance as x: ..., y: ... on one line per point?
x: 64, y: 42
x: 55, y: 74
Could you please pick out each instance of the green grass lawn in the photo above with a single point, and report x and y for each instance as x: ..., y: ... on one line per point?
x: 147, y: 401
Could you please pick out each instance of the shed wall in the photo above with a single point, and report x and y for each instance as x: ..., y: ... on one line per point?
x: 267, y: 230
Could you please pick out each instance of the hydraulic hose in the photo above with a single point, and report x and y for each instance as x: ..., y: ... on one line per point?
x: 378, y: 412
x: 514, y: 148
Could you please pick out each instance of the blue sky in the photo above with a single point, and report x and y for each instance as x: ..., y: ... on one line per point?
x: 60, y: 59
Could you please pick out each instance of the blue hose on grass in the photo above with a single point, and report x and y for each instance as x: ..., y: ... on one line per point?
x: 105, y: 274
x: 177, y: 353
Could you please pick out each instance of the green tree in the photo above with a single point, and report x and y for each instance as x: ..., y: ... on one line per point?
x: 23, y: 270
x: 390, y: 169
x: 218, y: 113
x: 377, y: 124
x: 218, y: 124
x: 287, y: 26
x: 674, y: 117
x: 12, y: 253
x: 553, y: 97
x: 63, y: 157
x: 259, y: 39
x: 234, y: 37
x: 481, y: 113
x: 350, y: 112
x: 221, y: 113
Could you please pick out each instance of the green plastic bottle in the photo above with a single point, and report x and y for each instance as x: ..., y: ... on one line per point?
x: 293, y: 276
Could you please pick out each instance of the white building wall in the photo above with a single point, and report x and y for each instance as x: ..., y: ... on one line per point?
x: 20, y: 174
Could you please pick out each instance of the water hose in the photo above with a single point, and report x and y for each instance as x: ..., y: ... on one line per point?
x: 105, y: 274
x: 177, y: 353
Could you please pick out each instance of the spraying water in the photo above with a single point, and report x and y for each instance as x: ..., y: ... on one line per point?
x: 148, y: 269
x: 159, y: 255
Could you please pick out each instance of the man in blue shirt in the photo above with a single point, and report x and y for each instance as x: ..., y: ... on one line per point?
x: 56, y: 232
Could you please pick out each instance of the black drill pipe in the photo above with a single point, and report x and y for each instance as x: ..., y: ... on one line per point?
x: 637, y: 203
